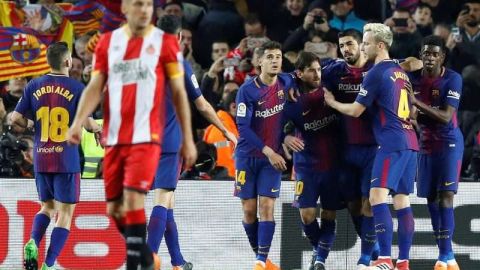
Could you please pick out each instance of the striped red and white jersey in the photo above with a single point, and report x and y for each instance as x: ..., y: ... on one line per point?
x: 136, y: 69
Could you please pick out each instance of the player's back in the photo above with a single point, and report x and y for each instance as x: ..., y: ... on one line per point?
x: 438, y: 92
x: 260, y: 109
x: 52, y: 102
x: 345, y: 82
x: 385, y: 91
x: 172, y: 139
x: 317, y: 125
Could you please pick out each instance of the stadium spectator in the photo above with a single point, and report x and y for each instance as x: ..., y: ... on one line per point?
x: 442, y: 10
x: 14, y: 92
x: 254, y: 27
x: 221, y: 21
x: 76, y: 71
x: 423, y: 19
x: 442, y: 30
x: 281, y: 23
x: 81, y: 48
x: 173, y: 7
x: 344, y: 16
x: 465, y: 49
x: 407, y: 40
x: 26, y: 165
x: 187, y: 51
x: 227, y: 114
x: 316, y: 20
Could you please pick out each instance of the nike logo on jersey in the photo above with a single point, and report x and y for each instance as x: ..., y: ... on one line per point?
x: 305, y: 113
x: 274, y: 190
x: 261, y: 102
x: 373, y: 180
x: 449, y: 183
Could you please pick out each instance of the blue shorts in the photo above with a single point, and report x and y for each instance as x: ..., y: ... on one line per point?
x: 438, y: 172
x: 168, y: 171
x: 395, y: 171
x: 310, y: 185
x: 62, y: 187
x: 256, y: 177
x: 358, y: 168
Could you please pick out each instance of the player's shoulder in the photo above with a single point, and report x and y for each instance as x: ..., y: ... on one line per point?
x: 332, y: 64
x: 452, y: 74
x: 287, y: 77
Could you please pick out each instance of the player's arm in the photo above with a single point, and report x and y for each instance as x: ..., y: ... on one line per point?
x: 182, y: 109
x: 354, y: 109
x: 411, y: 64
x: 91, y: 97
x: 207, y: 111
x: 443, y: 115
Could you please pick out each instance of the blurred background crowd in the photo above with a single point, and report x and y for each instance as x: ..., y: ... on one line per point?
x: 219, y: 40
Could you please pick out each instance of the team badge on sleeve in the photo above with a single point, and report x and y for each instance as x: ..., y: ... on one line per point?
x: 242, y: 110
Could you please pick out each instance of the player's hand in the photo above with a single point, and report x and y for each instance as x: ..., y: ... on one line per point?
x: 74, y: 134
x: 293, y: 94
x: 275, y: 159
x: 231, y: 137
x: 294, y: 143
x: 286, y: 150
x: 329, y: 97
x: 189, y: 153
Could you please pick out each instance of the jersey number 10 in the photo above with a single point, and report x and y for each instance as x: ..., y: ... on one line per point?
x: 54, y: 123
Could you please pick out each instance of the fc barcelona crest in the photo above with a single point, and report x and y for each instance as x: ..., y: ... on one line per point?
x: 25, y: 48
x: 280, y: 94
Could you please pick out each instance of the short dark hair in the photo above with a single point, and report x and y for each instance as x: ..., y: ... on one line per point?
x: 305, y: 59
x: 269, y: 45
x: 252, y: 18
x: 423, y: 5
x: 351, y: 33
x: 56, y: 53
x: 173, y: 2
x: 433, y: 40
x: 229, y: 99
x: 170, y: 24
x: 402, y: 10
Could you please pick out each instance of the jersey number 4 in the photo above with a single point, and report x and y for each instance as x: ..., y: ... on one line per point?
x: 54, y: 123
x: 403, y: 106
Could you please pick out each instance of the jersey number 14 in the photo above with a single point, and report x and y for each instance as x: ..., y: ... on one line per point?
x: 54, y: 123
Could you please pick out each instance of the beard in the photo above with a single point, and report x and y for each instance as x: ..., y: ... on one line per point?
x: 472, y: 23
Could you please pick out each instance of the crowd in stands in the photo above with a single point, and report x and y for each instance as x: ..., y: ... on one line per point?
x: 220, y: 38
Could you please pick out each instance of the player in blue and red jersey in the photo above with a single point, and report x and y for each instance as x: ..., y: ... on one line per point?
x: 437, y: 96
x: 385, y: 90
x: 51, y: 102
x: 162, y: 221
x: 316, y: 158
x: 344, y: 78
x: 258, y: 162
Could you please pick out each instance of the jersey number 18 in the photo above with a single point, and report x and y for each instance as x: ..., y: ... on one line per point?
x: 54, y: 123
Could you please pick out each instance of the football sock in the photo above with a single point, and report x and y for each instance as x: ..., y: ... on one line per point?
x: 383, y: 228
x: 171, y: 239
x: 445, y: 233
x: 57, y: 241
x: 406, y: 227
x: 327, y: 236
x: 252, y: 233
x: 156, y: 227
x: 369, y: 238
x: 40, y: 225
x: 434, y: 210
x: 266, y: 229
x: 120, y: 224
x: 312, y: 231
x: 357, y: 222
x: 138, y: 251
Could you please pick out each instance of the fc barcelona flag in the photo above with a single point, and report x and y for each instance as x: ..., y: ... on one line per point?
x: 21, y: 54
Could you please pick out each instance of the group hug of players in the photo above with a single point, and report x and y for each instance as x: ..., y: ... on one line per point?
x: 351, y: 125
x: 351, y: 147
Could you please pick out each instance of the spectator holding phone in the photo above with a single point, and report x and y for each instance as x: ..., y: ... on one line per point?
x: 464, y: 42
x: 407, y: 39
x: 316, y: 20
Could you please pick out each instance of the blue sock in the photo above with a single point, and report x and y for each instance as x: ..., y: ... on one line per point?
x: 383, y: 228
x: 445, y: 233
x: 357, y: 222
x: 252, y: 233
x: 327, y: 236
x: 369, y: 239
x: 171, y: 239
x: 266, y: 229
x: 434, y: 210
x: 406, y: 227
x: 156, y: 227
x: 57, y: 241
x: 312, y: 231
x: 40, y: 225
